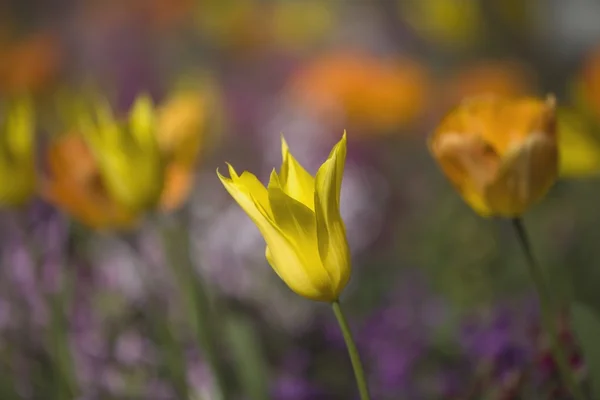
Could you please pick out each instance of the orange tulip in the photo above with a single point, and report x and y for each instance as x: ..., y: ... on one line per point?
x: 377, y: 94
x: 30, y: 64
x: 500, y: 154
x: 76, y: 183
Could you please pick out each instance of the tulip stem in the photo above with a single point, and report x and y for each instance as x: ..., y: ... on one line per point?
x: 57, y: 332
x: 549, y: 312
x: 359, y: 372
x: 202, y: 316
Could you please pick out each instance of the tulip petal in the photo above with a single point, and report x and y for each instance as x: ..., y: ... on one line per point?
x: 470, y: 164
x: 290, y: 215
x: 284, y: 260
x: 19, y: 129
x: 142, y: 119
x: 526, y: 174
x: 331, y: 231
x: 295, y: 180
x: 297, y: 223
x: 247, y: 191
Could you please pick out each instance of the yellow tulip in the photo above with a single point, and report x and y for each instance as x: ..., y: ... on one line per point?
x: 500, y: 154
x: 17, y: 155
x: 128, y: 155
x: 298, y: 215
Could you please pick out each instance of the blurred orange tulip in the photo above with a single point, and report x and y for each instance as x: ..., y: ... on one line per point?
x: 30, y: 64
x: 505, y: 78
x: 76, y: 185
x: 377, y: 94
x: 500, y: 154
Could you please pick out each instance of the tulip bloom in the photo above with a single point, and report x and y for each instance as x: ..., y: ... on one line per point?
x: 85, y: 168
x: 128, y: 155
x: 500, y: 154
x: 17, y: 155
x: 299, y: 217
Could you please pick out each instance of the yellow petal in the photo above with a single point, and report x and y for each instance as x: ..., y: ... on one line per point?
x: 20, y: 129
x: 295, y: 180
x: 526, y: 174
x: 294, y: 218
x: 290, y: 268
x: 248, y: 192
x: 331, y: 232
x: 297, y: 223
x: 104, y: 114
x: 142, y: 119
x: 579, y: 148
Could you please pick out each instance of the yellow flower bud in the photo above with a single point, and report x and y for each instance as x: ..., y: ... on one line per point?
x: 17, y: 155
x: 299, y: 217
x: 128, y: 155
x: 501, y: 155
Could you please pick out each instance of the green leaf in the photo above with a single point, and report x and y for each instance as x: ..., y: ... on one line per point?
x: 249, y: 362
x: 586, y: 326
x: 172, y: 352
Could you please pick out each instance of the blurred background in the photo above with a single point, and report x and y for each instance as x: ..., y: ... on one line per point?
x: 439, y: 300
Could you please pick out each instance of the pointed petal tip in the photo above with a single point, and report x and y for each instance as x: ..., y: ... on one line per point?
x: 232, y: 174
x: 274, y: 179
x: 344, y: 139
x: 285, y: 149
x: 274, y: 174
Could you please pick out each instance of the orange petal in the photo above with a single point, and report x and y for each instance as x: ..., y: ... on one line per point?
x: 178, y: 185
x: 469, y: 163
x: 526, y: 175
x: 181, y: 122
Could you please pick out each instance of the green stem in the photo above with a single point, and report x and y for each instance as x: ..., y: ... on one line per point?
x: 359, y: 372
x: 58, y: 343
x: 171, y: 349
x: 177, y: 246
x: 549, y: 312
